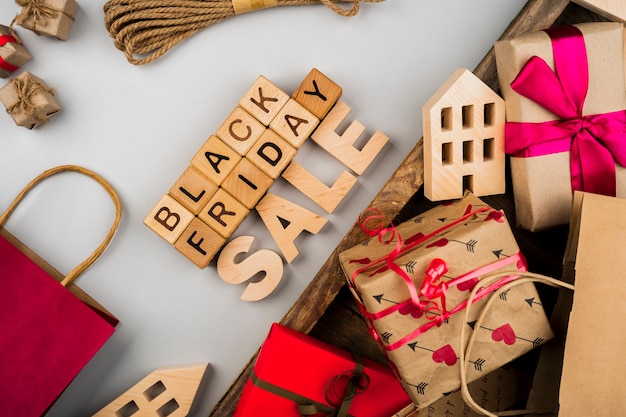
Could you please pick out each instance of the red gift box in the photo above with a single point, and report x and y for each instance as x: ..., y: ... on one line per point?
x: 295, y: 374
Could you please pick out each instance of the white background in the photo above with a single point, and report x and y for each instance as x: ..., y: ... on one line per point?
x: 140, y: 126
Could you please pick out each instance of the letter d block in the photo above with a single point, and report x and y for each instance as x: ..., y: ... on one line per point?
x: 168, y: 219
x: 199, y: 243
x: 271, y: 153
x: 223, y: 213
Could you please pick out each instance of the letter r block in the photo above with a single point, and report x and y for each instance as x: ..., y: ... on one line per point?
x: 223, y: 213
x: 240, y: 131
x: 168, y: 218
x: 317, y: 93
x: 199, y: 243
x: 263, y: 100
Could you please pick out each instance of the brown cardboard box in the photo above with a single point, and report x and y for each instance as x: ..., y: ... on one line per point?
x: 49, y: 17
x: 542, y: 184
x: 28, y: 100
x: 592, y: 382
x: 12, y: 52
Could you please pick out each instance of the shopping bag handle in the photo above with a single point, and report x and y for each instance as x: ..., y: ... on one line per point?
x: 74, y: 273
x: 523, y: 277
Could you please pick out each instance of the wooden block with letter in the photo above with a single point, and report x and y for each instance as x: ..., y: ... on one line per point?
x: 247, y: 183
x: 294, y: 123
x: 193, y: 190
x: 263, y: 100
x: 240, y: 130
x: 199, y: 243
x: 168, y: 218
x: 271, y: 153
x: 342, y: 146
x: 215, y: 159
x: 317, y: 93
x: 463, y: 139
x: 611, y: 9
x: 166, y: 392
x: 223, y: 213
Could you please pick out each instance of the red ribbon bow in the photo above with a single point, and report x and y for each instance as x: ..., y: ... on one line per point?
x: 595, y: 142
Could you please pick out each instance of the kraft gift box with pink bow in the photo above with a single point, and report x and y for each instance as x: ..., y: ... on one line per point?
x: 412, y: 283
x: 566, y: 125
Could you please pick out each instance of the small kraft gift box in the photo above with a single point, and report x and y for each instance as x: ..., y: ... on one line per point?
x: 12, y: 53
x: 29, y: 101
x: 297, y: 375
x: 412, y: 284
x: 47, y: 17
x: 49, y: 328
x: 566, y: 124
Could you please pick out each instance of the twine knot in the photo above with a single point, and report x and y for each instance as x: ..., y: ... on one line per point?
x: 37, y: 9
x: 26, y: 90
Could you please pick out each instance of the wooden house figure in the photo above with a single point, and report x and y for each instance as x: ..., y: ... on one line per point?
x: 463, y: 139
x: 166, y: 392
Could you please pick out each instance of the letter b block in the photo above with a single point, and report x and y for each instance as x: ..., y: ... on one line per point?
x: 168, y: 219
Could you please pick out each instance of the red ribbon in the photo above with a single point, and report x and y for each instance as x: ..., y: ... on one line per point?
x: 4, y: 39
x: 595, y: 142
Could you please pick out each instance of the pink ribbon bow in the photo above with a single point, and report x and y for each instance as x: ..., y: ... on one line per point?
x: 595, y: 142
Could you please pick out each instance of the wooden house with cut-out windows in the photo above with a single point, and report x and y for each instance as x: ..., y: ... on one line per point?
x: 463, y: 139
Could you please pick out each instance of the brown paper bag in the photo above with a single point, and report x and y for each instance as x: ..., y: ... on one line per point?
x: 542, y: 185
x: 422, y: 343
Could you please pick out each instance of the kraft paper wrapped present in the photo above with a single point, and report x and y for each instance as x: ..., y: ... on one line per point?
x: 47, y: 17
x: 413, y: 295
x: 12, y: 53
x: 297, y: 375
x: 28, y: 100
x: 565, y: 131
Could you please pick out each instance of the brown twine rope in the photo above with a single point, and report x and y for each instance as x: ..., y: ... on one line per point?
x: 74, y: 273
x: 26, y: 90
x: 146, y: 29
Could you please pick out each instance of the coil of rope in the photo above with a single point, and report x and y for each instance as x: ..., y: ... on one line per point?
x: 146, y: 29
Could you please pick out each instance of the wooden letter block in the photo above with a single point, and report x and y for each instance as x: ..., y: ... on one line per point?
x: 193, y: 190
x: 317, y: 93
x: 264, y: 100
x: 247, y: 183
x: 612, y: 9
x: 294, y: 123
x: 223, y: 213
x: 263, y: 260
x: 164, y: 392
x: 240, y: 131
x: 463, y: 139
x: 271, y: 153
x: 342, y: 146
x: 168, y: 219
x: 286, y: 221
x: 215, y: 159
x: 199, y: 243
x: 327, y: 198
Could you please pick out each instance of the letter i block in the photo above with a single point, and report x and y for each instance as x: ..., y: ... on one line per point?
x: 223, y: 213
x: 317, y: 93
x: 263, y: 100
x: 193, y: 190
x: 199, y: 243
x: 215, y: 159
x: 271, y: 153
x: 294, y: 123
x: 168, y: 219
x: 240, y: 131
x: 247, y: 183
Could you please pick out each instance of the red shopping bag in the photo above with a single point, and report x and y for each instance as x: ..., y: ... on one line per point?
x: 49, y: 328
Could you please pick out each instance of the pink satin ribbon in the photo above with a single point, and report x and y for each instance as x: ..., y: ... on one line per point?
x: 4, y: 39
x: 595, y: 142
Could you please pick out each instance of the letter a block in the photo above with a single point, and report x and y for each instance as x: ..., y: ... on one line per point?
x: 294, y: 123
x: 168, y: 218
x: 223, y: 213
x: 199, y: 243
x: 317, y: 93
x: 215, y: 159
x: 264, y: 100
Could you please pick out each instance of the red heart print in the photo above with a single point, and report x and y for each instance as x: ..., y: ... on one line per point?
x: 441, y: 242
x: 504, y: 334
x: 467, y: 285
x: 445, y: 354
x: 411, y: 309
x: 416, y: 236
x: 362, y: 261
x: 498, y: 216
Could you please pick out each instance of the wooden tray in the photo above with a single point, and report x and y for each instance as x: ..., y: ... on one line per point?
x: 326, y: 309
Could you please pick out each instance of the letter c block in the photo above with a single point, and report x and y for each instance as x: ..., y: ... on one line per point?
x: 168, y: 218
x: 240, y: 131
